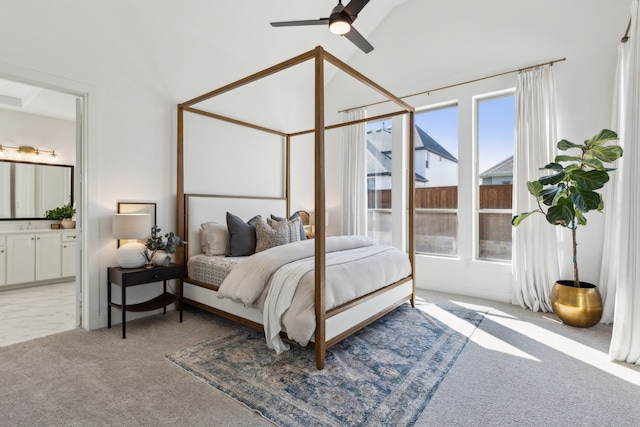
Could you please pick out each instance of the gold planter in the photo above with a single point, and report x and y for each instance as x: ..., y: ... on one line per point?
x: 580, y: 307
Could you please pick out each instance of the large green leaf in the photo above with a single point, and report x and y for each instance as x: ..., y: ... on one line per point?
x: 565, y: 158
x: 609, y: 153
x: 519, y: 218
x: 564, y: 145
x: 601, y: 138
x: 593, y: 162
x: 585, y: 200
x: 562, y: 213
x: 589, y: 180
x: 534, y: 188
x: 553, y: 166
x: 550, y: 194
x: 580, y: 219
x: 552, y: 179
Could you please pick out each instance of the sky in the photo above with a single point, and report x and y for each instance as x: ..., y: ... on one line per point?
x: 496, y: 124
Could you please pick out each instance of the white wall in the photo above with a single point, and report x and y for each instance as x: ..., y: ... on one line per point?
x: 40, y: 132
x: 137, y: 60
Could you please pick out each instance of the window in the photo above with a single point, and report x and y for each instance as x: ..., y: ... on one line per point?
x: 495, y: 139
x: 436, y: 220
x: 379, y: 173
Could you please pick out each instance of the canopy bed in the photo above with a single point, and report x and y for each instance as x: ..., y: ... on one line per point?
x: 333, y: 318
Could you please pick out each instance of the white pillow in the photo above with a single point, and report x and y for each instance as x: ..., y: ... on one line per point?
x: 214, y: 238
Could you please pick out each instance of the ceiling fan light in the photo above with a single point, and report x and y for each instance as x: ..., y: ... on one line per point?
x: 339, y: 26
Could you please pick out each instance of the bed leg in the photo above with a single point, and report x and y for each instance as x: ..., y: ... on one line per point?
x: 413, y: 300
x: 320, y: 354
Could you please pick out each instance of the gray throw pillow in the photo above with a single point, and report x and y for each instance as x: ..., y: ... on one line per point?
x: 292, y: 217
x: 242, y: 235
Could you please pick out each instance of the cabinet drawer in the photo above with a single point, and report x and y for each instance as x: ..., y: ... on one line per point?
x: 141, y: 276
x: 69, y: 236
x: 3, y: 240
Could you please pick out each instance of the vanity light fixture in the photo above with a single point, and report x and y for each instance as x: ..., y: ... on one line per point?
x: 26, y: 152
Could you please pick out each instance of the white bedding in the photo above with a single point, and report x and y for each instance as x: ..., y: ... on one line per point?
x: 355, y: 266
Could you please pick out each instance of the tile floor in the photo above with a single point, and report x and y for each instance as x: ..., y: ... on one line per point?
x: 37, y: 311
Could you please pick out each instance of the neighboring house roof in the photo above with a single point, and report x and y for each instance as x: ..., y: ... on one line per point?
x: 381, y: 138
x: 504, y: 168
x: 431, y: 145
x: 379, y: 151
x: 378, y: 164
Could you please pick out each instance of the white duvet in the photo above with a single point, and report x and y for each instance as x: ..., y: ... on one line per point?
x: 280, y: 282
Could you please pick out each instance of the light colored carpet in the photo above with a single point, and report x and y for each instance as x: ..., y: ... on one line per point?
x: 519, y: 369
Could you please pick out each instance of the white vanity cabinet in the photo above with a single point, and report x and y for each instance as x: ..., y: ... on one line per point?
x: 33, y: 256
x: 68, y: 254
x: 3, y: 260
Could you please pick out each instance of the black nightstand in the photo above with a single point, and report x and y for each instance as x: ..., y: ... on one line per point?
x: 125, y: 277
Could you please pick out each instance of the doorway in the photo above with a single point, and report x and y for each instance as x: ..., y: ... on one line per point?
x: 52, y: 120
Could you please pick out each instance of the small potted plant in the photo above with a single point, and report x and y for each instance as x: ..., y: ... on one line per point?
x: 160, y: 247
x: 64, y: 214
x: 563, y: 198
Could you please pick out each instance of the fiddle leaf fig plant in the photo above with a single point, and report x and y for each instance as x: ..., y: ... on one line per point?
x: 569, y: 191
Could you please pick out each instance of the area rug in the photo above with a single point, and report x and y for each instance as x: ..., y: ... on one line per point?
x: 383, y: 375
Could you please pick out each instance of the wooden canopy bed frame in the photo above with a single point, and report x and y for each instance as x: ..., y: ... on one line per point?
x: 334, y: 325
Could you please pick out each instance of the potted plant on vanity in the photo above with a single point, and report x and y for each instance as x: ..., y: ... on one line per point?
x: 64, y: 214
x: 563, y: 198
x: 161, y: 247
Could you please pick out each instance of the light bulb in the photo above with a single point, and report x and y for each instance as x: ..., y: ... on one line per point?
x: 339, y: 26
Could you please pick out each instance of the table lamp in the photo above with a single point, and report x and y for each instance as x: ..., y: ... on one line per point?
x: 131, y: 227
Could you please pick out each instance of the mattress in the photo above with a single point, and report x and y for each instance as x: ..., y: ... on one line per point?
x: 211, y: 269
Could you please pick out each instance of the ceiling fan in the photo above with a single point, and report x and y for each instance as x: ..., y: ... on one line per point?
x: 340, y: 22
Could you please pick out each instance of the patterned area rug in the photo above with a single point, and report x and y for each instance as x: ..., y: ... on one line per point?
x: 383, y: 375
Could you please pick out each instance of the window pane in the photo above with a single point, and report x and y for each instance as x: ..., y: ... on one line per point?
x: 379, y: 155
x: 436, y: 177
x: 436, y: 233
x: 496, y: 128
x: 495, y: 236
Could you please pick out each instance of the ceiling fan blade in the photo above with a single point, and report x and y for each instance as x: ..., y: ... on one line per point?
x: 354, y: 7
x: 356, y: 38
x: 321, y: 21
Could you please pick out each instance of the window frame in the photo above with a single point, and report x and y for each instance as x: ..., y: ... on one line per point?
x: 477, y: 211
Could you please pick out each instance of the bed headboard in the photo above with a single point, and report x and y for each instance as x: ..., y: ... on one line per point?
x: 213, y: 208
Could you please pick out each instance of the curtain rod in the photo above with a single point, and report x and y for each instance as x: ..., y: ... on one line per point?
x: 625, y: 38
x: 460, y: 84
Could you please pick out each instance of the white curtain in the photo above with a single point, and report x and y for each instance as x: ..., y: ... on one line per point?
x: 354, y: 175
x: 622, y: 253
x: 535, y: 260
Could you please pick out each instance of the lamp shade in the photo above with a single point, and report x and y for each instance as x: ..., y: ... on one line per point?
x: 131, y: 227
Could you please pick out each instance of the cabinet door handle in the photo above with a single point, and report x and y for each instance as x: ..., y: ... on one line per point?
x: 64, y: 246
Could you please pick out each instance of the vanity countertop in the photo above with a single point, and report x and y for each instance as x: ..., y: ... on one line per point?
x: 34, y: 230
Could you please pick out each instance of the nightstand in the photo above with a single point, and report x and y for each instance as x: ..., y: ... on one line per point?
x: 126, y: 277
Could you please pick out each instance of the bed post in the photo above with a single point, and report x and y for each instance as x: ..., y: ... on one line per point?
x: 180, y: 226
x: 287, y: 173
x: 321, y: 315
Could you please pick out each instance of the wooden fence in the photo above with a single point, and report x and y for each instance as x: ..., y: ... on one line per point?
x: 491, y: 197
x: 437, y: 232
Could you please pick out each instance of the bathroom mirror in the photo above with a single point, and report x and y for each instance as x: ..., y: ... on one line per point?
x: 28, y: 190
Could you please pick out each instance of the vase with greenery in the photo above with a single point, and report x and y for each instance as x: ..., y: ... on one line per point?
x: 570, y: 191
x: 65, y: 212
x: 565, y: 195
x: 159, y: 243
